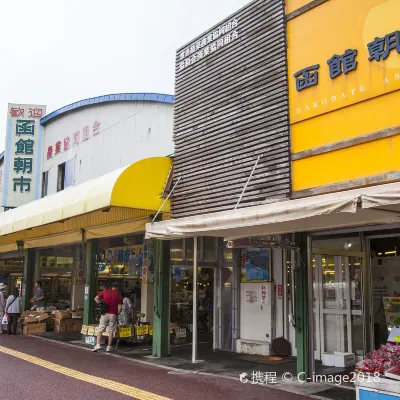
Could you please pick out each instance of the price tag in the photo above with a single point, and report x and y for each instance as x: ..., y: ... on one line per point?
x: 180, y: 333
x: 91, y: 330
x: 142, y: 330
x: 84, y: 330
x: 90, y: 340
x: 125, y: 332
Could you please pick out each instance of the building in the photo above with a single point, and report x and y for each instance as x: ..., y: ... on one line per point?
x: 332, y: 219
x: 103, y: 166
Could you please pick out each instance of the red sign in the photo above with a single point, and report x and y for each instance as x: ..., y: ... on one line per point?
x: 35, y: 113
x: 280, y: 291
x: 49, y: 152
x: 58, y: 147
x: 17, y: 112
x: 67, y: 143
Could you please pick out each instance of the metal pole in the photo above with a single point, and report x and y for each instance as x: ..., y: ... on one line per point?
x: 194, y: 324
x: 248, y: 180
x: 169, y: 195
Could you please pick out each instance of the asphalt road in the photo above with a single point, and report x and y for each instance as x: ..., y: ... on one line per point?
x: 36, y: 369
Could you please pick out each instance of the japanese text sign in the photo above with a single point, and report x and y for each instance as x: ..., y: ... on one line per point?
x: 351, y: 56
x: 22, y: 155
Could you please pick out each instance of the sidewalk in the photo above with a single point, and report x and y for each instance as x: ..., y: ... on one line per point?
x: 223, y: 363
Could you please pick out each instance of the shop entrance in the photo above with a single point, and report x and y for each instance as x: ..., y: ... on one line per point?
x: 337, y: 303
x: 385, y: 287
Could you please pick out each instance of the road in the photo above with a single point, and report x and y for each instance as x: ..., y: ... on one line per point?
x: 36, y: 369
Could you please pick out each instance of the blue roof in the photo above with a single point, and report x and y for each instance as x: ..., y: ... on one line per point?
x: 158, y: 97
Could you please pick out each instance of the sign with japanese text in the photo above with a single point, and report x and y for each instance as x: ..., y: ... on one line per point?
x: 126, y: 260
x: 72, y: 140
x: 255, y: 265
x: 23, y: 154
x: 351, y: 56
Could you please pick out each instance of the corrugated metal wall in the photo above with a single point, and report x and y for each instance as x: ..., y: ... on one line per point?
x: 231, y: 106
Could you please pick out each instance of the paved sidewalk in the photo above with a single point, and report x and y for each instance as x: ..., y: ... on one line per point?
x: 225, y: 364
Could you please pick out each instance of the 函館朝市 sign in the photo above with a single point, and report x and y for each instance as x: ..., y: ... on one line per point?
x: 336, y: 66
x: 22, y: 155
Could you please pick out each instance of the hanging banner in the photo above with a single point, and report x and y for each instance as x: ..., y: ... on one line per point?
x: 255, y: 265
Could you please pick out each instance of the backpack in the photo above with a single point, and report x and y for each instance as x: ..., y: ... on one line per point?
x: 100, y: 309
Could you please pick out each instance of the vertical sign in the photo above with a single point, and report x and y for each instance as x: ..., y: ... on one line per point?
x: 23, y: 154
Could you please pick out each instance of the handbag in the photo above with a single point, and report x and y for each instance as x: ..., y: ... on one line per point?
x: 101, y: 309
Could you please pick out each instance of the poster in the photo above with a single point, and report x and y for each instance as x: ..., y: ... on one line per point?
x: 392, y: 310
x: 80, y: 270
x: 127, y: 260
x: 255, y: 265
x: 252, y: 296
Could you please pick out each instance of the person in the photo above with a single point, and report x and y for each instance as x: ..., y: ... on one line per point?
x: 113, y: 299
x: 14, y: 309
x: 38, y: 296
x: 2, y: 303
x: 125, y: 316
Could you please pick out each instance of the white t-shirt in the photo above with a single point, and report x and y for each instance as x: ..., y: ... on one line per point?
x: 16, y: 306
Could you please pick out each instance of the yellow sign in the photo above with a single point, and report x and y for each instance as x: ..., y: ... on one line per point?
x: 142, y: 330
x: 91, y: 330
x: 151, y: 330
x: 397, y: 339
x: 84, y: 330
x: 350, y: 48
x: 125, y: 332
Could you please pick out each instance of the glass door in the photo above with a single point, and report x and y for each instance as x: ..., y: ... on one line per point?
x: 337, y: 296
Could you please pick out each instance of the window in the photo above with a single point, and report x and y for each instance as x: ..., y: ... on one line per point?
x: 65, y: 175
x: 61, y: 177
x: 45, y: 183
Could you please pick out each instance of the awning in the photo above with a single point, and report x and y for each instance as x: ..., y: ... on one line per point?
x: 366, y: 206
x: 132, y: 193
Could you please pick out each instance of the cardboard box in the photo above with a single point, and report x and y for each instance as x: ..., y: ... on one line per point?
x: 30, y: 320
x: 60, y: 328
x: 34, y: 328
x: 42, y: 317
x: 328, y: 359
x: 62, y: 314
x: 344, y: 360
x: 61, y: 322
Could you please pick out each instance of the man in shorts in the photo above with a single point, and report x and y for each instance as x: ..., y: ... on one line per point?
x: 113, y: 299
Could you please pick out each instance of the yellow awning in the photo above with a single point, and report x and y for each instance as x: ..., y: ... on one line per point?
x: 125, y: 194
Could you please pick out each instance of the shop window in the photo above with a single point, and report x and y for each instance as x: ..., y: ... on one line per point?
x: 176, y: 250
x: 45, y: 183
x: 210, y: 249
x: 65, y: 175
x: 61, y: 177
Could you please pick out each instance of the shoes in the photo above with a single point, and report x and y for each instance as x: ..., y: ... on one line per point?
x: 97, y: 347
x: 108, y: 349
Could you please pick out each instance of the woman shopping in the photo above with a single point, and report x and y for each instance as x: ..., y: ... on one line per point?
x: 13, y: 309
x: 125, y: 317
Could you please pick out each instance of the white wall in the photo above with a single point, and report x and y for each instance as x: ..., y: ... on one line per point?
x: 129, y: 131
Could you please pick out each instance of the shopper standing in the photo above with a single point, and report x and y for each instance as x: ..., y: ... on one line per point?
x: 38, y: 296
x: 2, y: 304
x: 126, y: 314
x: 113, y: 300
x: 13, y: 309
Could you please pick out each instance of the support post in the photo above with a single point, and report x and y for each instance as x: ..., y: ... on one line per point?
x: 194, y: 324
x: 90, y: 287
x: 27, y: 283
x: 161, y: 299
x: 301, y: 306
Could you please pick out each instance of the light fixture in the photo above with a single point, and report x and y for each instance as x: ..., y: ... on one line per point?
x: 390, y: 252
x: 348, y: 244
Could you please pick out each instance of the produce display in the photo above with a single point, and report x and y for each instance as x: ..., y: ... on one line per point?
x: 382, y: 360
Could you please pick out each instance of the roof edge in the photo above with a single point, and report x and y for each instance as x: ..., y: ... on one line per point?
x: 156, y: 97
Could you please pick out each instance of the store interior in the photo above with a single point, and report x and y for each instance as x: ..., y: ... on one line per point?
x: 385, y: 265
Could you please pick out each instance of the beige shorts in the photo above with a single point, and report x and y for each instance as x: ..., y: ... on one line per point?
x: 110, y: 320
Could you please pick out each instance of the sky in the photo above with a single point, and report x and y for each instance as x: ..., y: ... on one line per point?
x: 56, y: 52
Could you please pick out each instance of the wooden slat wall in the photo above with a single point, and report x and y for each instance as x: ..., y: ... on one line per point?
x: 231, y: 107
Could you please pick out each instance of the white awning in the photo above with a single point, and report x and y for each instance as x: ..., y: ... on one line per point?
x: 352, y: 208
